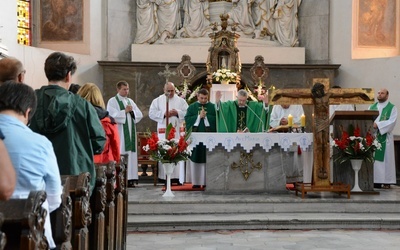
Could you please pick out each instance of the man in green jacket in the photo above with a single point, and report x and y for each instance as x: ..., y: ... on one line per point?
x: 67, y: 120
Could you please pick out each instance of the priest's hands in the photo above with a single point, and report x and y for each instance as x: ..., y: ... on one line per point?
x: 128, y: 108
x: 218, y: 96
x: 171, y: 112
x: 202, y: 113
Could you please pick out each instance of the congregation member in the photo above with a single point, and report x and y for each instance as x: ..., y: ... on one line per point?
x: 171, y: 107
x: 126, y: 114
x: 35, y: 162
x: 280, y: 113
x: 200, y: 117
x: 384, y: 165
x: 11, y: 69
x: 68, y: 120
x: 7, y: 176
x: 242, y: 115
x: 111, y: 152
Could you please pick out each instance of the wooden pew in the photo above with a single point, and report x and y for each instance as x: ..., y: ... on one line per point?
x: 81, y: 214
x: 61, y: 219
x: 121, y: 204
x: 98, y: 205
x: 110, y: 207
x: 3, y: 239
x: 24, y: 222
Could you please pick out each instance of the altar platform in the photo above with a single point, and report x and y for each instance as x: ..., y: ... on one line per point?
x: 255, y: 162
x: 198, y: 210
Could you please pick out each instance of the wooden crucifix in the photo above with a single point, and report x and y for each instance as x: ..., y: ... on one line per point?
x: 321, y: 96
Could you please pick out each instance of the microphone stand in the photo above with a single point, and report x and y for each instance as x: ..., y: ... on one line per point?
x: 258, y: 117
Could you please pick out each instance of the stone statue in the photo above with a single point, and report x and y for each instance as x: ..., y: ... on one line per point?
x: 241, y: 14
x: 169, y: 19
x: 286, y: 22
x: 262, y: 11
x: 196, y: 22
x: 146, y: 22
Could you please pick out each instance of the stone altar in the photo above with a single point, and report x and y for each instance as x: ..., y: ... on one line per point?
x: 251, y: 162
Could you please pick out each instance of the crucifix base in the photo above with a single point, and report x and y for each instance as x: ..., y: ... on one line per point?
x: 309, y: 187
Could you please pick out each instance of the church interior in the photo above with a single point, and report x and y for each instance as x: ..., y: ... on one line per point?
x: 339, y: 42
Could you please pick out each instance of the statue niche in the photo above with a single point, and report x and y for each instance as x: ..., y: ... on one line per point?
x: 223, y: 52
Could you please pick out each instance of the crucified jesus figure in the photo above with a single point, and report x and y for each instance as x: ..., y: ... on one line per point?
x: 321, y: 101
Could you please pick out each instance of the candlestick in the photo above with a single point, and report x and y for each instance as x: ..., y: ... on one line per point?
x: 303, y: 120
x: 290, y: 120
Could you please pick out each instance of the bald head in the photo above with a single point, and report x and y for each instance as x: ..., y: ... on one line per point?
x: 11, y: 69
x: 383, y: 95
x: 169, y: 89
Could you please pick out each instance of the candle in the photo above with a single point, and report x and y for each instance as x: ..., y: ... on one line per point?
x: 290, y: 120
x: 303, y: 120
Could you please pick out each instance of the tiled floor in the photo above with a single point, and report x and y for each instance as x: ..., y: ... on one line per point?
x: 266, y: 239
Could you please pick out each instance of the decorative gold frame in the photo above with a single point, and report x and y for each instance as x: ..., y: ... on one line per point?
x: 375, y: 28
x: 79, y: 11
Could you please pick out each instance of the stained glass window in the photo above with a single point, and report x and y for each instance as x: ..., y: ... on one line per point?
x: 24, y: 22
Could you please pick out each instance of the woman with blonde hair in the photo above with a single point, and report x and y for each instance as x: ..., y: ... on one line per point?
x: 111, y: 152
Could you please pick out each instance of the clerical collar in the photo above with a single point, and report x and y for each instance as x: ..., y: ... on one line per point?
x: 121, y: 97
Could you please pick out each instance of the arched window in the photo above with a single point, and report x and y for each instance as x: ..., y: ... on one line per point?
x: 24, y: 22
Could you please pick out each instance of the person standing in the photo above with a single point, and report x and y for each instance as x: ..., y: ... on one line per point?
x: 126, y: 114
x: 35, y: 162
x: 384, y: 165
x: 68, y: 120
x: 11, y: 69
x: 171, y: 107
x: 200, y: 117
x: 241, y: 115
x: 280, y: 113
x: 111, y: 152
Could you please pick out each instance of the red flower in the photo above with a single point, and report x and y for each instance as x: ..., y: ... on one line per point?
x: 171, y: 134
x: 369, y: 138
x: 182, y: 144
x: 357, y: 132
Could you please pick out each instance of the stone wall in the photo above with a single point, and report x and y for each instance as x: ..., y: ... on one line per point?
x: 146, y: 84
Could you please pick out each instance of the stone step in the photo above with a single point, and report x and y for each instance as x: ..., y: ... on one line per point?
x: 226, y: 207
x: 262, y: 221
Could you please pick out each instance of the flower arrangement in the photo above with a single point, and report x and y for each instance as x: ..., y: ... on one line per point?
x: 169, y: 150
x: 184, y: 92
x: 355, y: 146
x: 224, y: 75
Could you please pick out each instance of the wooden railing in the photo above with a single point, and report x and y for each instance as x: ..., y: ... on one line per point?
x: 81, y: 222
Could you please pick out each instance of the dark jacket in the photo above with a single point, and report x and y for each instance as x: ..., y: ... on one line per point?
x: 72, y: 125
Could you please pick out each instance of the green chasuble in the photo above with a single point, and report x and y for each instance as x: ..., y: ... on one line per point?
x: 199, y: 152
x: 228, y: 118
x: 384, y: 116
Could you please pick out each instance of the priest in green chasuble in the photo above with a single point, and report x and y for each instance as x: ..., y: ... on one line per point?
x: 200, y: 117
x: 242, y: 115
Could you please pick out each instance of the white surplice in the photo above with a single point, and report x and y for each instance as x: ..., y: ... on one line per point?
x: 278, y: 113
x: 156, y: 113
x: 120, y: 118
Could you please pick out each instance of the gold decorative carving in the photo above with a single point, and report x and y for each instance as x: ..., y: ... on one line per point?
x: 246, y: 164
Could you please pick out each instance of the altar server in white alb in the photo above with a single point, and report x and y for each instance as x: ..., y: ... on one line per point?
x: 384, y: 166
x: 126, y: 114
x: 175, y: 112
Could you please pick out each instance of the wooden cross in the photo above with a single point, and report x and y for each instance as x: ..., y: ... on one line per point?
x: 166, y: 73
x: 321, y: 99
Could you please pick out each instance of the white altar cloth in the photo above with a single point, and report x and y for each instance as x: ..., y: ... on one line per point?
x: 248, y: 140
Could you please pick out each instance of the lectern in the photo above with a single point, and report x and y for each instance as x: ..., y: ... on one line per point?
x: 344, y: 173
